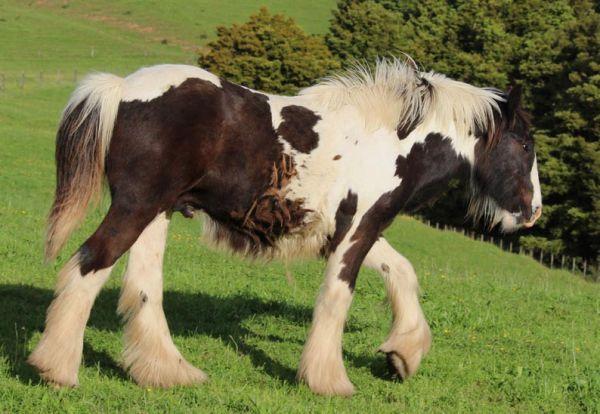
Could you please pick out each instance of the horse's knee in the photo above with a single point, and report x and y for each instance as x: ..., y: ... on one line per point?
x: 115, y: 235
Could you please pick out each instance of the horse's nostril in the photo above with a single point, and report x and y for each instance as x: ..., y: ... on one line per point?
x: 537, y: 212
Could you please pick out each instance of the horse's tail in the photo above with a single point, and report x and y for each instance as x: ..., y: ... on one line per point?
x: 82, y: 144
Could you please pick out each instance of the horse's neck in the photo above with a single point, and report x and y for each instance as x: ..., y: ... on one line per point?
x: 432, y: 155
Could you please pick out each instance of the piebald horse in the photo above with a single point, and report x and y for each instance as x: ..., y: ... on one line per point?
x: 322, y: 173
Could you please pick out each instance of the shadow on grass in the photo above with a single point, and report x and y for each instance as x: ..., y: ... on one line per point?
x: 24, y: 307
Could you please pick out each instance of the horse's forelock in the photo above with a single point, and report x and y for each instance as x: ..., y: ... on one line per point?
x: 510, y: 118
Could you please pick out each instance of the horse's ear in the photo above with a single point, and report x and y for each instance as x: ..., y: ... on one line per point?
x: 513, y: 100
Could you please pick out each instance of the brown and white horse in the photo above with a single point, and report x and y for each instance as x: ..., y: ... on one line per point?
x: 320, y: 173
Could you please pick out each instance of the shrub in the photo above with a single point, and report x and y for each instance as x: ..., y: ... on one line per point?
x: 268, y: 52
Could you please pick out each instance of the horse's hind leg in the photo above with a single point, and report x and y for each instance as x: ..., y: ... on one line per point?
x: 58, y: 354
x: 150, y: 355
x: 410, y: 338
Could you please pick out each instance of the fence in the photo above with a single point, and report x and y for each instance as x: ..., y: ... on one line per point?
x: 23, y: 80
x: 120, y: 64
x: 575, y: 265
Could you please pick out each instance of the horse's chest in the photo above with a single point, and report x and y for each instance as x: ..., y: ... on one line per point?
x: 247, y: 190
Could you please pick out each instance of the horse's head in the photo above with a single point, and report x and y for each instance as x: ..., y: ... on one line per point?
x: 505, y: 175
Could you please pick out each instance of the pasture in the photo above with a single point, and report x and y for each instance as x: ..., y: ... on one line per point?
x: 508, y: 334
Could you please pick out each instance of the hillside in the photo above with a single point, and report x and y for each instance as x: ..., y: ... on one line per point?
x: 509, y: 334
x: 122, y: 35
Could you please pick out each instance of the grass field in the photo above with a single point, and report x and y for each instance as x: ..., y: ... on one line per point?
x: 123, y: 35
x: 509, y: 335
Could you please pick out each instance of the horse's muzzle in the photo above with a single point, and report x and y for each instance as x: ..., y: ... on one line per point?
x: 536, y: 215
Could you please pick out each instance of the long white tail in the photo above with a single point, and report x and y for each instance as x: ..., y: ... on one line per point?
x: 82, y: 144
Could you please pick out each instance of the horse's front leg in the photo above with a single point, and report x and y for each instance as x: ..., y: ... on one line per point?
x: 410, y: 338
x: 321, y: 365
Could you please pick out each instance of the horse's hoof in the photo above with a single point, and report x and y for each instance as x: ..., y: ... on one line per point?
x: 396, y: 365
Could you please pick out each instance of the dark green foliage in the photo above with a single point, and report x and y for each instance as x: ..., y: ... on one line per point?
x: 552, y: 48
x: 364, y: 30
x: 268, y: 52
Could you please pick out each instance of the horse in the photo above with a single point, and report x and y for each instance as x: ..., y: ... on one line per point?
x: 318, y: 174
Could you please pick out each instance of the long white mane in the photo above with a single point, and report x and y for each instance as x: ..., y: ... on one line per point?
x: 394, y: 94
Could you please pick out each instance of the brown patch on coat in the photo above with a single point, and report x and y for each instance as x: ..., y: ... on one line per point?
x: 427, y: 170
x: 343, y: 221
x: 297, y: 128
x: 196, y: 147
x: 401, y: 166
x: 337, y: 157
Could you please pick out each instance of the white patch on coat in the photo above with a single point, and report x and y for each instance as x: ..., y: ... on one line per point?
x: 153, y: 81
x: 322, y: 181
x: 536, y: 202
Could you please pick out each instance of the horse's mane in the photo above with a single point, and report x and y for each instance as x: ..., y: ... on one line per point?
x: 395, y: 94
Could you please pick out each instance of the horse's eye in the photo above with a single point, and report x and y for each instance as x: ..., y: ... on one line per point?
x: 526, y: 147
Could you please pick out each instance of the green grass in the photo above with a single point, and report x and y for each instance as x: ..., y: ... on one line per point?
x: 123, y: 35
x: 509, y: 335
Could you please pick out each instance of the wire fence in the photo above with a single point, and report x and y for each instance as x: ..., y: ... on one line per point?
x: 576, y: 265
x: 15, y: 80
x: 12, y: 81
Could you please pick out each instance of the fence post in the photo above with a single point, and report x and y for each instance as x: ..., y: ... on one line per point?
x: 584, y: 267
x: 510, y: 247
x: 437, y: 226
x: 562, y: 261
x: 531, y: 252
x: 573, y: 265
x: 501, y: 244
x: 551, y: 260
x: 481, y: 237
x: 541, y: 256
x: 22, y: 81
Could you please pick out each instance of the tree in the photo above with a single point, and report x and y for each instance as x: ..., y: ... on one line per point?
x: 568, y: 135
x: 268, y: 52
x: 550, y: 48
x: 363, y: 31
